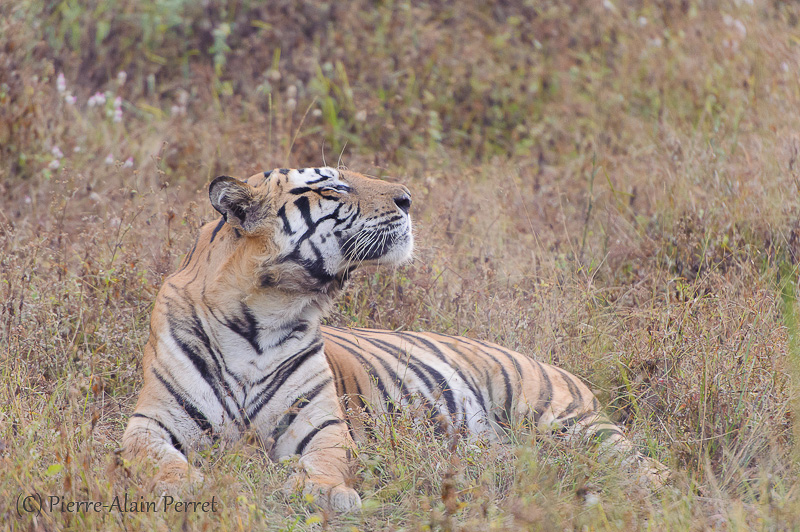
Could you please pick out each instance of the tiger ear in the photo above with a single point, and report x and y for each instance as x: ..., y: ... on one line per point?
x: 235, y: 201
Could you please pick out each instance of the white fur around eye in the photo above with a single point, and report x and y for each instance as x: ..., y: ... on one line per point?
x: 338, y: 188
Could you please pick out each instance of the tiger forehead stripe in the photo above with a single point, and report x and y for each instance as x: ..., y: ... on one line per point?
x: 316, y: 180
x: 317, y: 175
x: 310, y: 176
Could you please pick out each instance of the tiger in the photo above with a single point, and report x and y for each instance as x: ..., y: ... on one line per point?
x: 237, y: 351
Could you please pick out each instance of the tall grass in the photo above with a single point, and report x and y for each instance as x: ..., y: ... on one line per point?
x: 610, y: 187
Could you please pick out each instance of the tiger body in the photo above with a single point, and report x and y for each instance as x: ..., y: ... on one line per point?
x: 236, y: 347
x: 464, y: 383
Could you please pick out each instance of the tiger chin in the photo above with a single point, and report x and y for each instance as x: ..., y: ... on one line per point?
x: 236, y: 347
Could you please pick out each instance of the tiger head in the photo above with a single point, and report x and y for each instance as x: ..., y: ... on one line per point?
x: 307, y: 229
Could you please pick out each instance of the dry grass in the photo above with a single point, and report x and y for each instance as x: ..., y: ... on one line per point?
x: 614, y: 189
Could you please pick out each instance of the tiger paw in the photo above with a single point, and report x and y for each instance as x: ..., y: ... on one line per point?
x: 647, y: 472
x: 334, y: 497
x: 341, y: 499
x: 653, y: 474
x: 176, y: 477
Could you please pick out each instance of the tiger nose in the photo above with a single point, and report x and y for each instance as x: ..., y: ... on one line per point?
x: 403, y: 201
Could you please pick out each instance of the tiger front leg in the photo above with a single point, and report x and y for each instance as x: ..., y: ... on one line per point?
x: 147, y: 439
x: 327, y: 465
x: 325, y: 461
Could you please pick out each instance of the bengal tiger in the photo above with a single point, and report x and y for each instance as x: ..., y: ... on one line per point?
x: 236, y: 347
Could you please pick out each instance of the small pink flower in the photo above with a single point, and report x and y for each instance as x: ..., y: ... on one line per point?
x: 70, y: 99
x: 110, y: 158
x: 98, y: 99
x: 117, y: 102
x: 121, y: 77
x: 128, y: 163
x: 54, y: 164
x: 57, y: 153
x: 117, y: 115
x: 61, y: 82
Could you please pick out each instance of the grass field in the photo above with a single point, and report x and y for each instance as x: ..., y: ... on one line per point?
x: 613, y: 187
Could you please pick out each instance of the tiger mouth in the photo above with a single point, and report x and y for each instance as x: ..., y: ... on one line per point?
x: 380, y: 246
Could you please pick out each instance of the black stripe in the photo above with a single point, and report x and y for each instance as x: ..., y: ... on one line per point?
x: 471, y: 383
x: 360, y: 393
x: 506, y: 379
x: 319, y: 180
x: 212, y: 376
x: 603, y: 434
x: 246, y: 326
x: 414, y: 364
x: 304, y: 206
x: 351, y: 219
x: 431, y: 347
x: 316, y: 267
x: 428, y: 404
x: 566, y: 423
x: 218, y: 359
x: 545, y: 392
x: 506, y: 412
x: 287, y: 228
x: 299, y: 356
x: 338, y: 374
x: 300, y: 328
x: 439, y: 380
x: 305, y: 212
x: 297, y: 406
x: 511, y: 355
x: 339, y: 377
x: 577, y: 398
x: 397, y: 218
x: 347, y: 399
x: 313, y: 434
x: 194, y: 413
x: 323, y: 193
x: 173, y: 440
x: 278, y: 376
x: 406, y: 358
x: 188, y: 258
x: 216, y: 229
x: 371, y: 371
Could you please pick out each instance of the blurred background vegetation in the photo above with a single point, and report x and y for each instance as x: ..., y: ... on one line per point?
x: 610, y: 186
